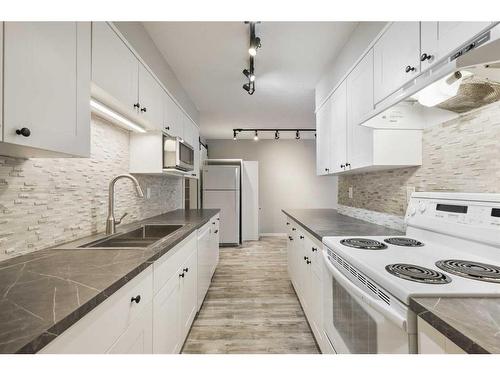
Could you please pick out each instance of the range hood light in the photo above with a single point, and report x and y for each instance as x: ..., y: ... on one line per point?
x: 442, y: 90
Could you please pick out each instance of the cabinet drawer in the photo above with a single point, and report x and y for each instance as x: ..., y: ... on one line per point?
x: 97, y: 331
x: 168, y: 264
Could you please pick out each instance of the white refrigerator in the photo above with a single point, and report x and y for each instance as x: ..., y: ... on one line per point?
x: 221, y: 189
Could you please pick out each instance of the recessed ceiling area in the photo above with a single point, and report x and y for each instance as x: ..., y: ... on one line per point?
x: 208, y: 59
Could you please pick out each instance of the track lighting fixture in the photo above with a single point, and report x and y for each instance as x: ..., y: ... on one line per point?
x: 252, y: 50
x: 275, y: 131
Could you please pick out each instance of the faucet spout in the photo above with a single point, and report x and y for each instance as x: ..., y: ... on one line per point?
x: 110, y: 221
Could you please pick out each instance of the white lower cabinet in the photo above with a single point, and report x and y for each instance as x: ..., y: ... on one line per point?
x: 153, y: 312
x: 306, y: 272
x: 431, y: 341
x: 208, y: 256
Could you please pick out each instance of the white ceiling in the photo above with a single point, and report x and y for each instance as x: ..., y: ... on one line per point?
x: 208, y: 59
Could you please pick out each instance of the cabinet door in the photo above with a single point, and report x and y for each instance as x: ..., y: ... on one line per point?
x: 359, y: 103
x: 338, y: 130
x: 204, y: 261
x: 196, y: 146
x: 171, y: 122
x: 138, y: 338
x: 188, y: 289
x: 115, y: 69
x: 439, y: 39
x: 150, y: 98
x: 315, y: 317
x: 166, y: 324
x: 323, y: 124
x: 396, y: 58
x: 46, y: 87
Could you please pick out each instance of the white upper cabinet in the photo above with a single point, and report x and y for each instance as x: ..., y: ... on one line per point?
x: 338, y: 132
x: 439, y: 39
x: 115, y: 69
x: 396, y: 58
x: 150, y: 98
x: 172, y: 117
x: 46, y: 89
x: 323, y: 130
x: 359, y: 103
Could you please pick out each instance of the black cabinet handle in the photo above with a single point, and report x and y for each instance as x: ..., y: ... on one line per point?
x: 347, y: 165
x: 425, y: 56
x: 218, y: 219
x: 25, y: 132
x: 287, y: 223
x: 216, y: 231
x: 327, y: 169
x: 290, y: 238
x: 314, y: 249
x: 308, y: 261
x: 167, y: 127
x: 301, y: 237
x: 409, y: 69
x: 136, y: 299
x: 306, y: 258
x: 137, y: 105
x: 342, y: 166
x: 181, y: 274
x: 213, y: 223
x: 294, y: 229
x: 185, y: 269
x: 143, y: 109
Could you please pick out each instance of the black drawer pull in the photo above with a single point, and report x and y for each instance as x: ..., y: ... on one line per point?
x: 136, y: 299
x: 308, y: 261
x: 301, y: 237
x: 294, y: 229
x: 216, y: 231
x: 185, y: 269
x: 181, y: 274
x: 314, y: 249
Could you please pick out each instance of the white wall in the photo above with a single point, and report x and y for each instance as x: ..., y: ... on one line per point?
x: 287, y: 176
x: 359, y: 40
x: 138, y: 37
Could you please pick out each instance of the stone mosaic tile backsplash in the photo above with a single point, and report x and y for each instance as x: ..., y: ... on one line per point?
x: 44, y: 202
x: 462, y: 155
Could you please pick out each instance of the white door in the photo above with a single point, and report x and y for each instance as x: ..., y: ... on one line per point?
x: 228, y: 203
x: 323, y: 125
x: 170, y: 117
x: 189, y: 292
x: 46, y: 74
x: 338, y: 130
x: 166, y: 323
x: 359, y: 103
x: 115, y: 69
x: 221, y: 177
x: 150, y: 99
x: 396, y: 58
x: 138, y: 338
x: 439, y: 39
x: 250, y: 201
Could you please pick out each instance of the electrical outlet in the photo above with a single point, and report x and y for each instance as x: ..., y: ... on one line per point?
x: 148, y: 193
x: 409, y: 191
x: 350, y: 192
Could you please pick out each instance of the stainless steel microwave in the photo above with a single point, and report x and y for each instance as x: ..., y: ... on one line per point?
x: 177, y: 154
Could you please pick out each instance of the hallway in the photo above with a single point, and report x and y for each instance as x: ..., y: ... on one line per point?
x: 251, y: 306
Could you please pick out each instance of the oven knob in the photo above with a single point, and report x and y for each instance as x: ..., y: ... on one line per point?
x: 422, y: 207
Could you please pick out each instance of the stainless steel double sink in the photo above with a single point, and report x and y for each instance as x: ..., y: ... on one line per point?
x: 142, y: 237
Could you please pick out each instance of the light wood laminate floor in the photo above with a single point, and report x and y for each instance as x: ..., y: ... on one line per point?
x: 251, y: 306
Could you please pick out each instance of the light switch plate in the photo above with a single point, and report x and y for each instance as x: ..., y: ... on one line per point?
x: 350, y: 192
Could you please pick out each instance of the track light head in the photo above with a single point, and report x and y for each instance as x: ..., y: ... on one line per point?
x: 249, y: 74
x: 256, y: 136
x: 277, y: 135
x: 246, y: 87
x: 234, y: 135
x: 297, y: 135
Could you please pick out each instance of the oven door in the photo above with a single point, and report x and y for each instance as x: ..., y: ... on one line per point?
x: 356, y: 322
x: 185, y: 156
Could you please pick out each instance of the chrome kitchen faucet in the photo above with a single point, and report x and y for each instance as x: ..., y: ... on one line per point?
x: 111, y: 223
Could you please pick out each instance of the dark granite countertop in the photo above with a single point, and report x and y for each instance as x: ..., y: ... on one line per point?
x: 328, y: 222
x: 471, y: 323
x: 45, y: 292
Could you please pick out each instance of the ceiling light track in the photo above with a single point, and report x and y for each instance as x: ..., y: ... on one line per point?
x: 276, y: 132
x: 254, y: 45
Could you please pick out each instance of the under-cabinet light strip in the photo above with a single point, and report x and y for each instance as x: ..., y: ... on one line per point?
x: 112, y: 115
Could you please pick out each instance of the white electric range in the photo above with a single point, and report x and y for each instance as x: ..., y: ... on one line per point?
x: 451, y: 248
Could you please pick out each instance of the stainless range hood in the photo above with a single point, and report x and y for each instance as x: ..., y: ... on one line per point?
x: 466, y: 80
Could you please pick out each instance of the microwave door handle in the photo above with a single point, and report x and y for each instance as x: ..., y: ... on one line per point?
x: 380, y: 306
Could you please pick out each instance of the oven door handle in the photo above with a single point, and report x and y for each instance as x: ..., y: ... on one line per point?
x: 352, y: 288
